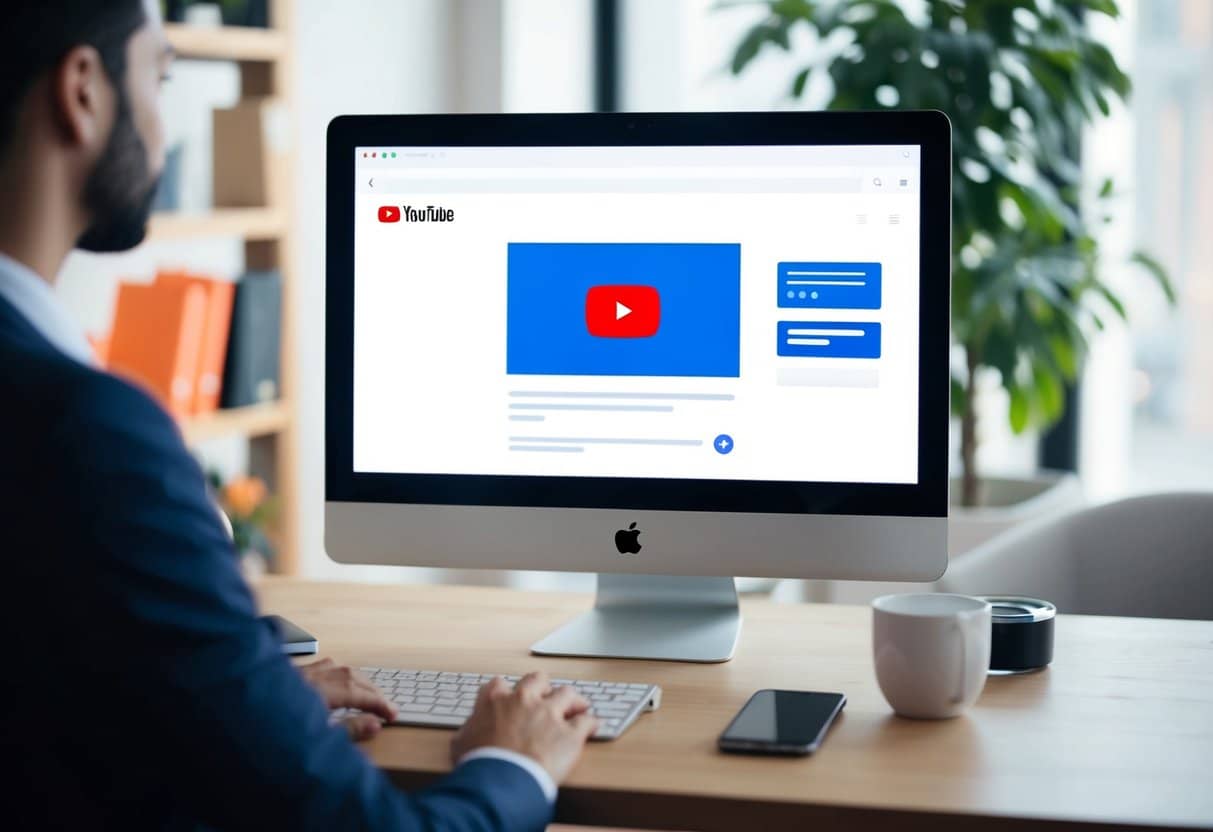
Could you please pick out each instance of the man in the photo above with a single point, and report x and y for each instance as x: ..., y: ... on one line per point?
x: 142, y: 690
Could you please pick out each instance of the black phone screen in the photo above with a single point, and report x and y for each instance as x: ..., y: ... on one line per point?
x: 794, y: 720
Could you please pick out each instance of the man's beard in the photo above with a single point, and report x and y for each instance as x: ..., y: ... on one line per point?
x: 121, y: 189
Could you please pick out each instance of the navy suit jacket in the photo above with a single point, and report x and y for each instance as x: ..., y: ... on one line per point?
x: 140, y: 690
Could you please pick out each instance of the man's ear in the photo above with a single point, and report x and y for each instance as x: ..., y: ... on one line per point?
x: 83, y: 99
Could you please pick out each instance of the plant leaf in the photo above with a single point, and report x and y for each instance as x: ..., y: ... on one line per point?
x: 1159, y: 272
x: 798, y: 83
x: 1018, y: 410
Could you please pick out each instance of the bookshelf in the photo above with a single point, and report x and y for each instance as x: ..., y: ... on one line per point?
x: 227, y: 43
x: 265, y: 58
x: 248, y: 422
x: 249, y: 223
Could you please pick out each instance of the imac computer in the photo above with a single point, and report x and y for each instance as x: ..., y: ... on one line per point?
x: 665, y: 348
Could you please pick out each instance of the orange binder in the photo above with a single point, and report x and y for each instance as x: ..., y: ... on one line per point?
x: 219, y: 296
x: 157, y: 340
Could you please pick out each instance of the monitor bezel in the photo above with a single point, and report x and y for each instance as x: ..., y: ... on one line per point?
x: 928, y: 129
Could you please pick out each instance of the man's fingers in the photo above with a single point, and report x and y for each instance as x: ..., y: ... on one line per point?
x: 363, y: 726
x: 567, y: 701
x: 579, y: 706
x: 533, y: 686
x: 364, y: 684
x: 491, y: 690
x: 584, y: 724
x: 370, y: 701
x: 360, y: 677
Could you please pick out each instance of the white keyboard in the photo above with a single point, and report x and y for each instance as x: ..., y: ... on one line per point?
x: 444, y: 700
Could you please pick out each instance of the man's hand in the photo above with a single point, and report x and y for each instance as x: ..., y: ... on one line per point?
x: 548, y: 725
x: 343, y: 687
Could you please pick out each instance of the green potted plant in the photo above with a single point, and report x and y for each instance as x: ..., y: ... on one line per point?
x: 250, y: 510
x: 1018, y: 79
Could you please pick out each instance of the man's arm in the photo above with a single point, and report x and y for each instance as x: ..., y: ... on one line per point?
x: 245, y: 743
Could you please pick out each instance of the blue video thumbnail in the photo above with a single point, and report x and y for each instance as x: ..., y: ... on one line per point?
x: 829, y: 285
x: 814, y: 339
x: 690, y: 324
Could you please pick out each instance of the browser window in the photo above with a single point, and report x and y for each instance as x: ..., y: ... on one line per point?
x: 728, y: 313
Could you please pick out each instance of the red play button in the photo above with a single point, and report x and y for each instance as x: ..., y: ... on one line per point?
x: 622, y: 311
x: 389, y: 213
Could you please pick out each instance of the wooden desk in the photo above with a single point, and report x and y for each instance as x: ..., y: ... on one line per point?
x: 1117, y: 734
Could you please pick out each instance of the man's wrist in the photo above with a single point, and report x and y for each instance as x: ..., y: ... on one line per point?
x: 528, y: 764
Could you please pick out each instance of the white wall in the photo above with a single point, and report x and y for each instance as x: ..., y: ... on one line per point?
x: 547, y: 56
x: 676, y: 55
x: 373, y: 56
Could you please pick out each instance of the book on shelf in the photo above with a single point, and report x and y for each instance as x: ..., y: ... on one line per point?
x: 251, y: 372
x: 213, y: 349
x: 157, y: 339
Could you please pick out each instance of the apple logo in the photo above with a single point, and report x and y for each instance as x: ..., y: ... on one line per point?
x: 627, y: 541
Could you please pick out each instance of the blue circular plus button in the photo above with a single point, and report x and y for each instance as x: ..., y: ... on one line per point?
x: 723, y: 444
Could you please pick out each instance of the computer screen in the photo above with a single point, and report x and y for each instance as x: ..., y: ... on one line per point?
x: 742, y: 313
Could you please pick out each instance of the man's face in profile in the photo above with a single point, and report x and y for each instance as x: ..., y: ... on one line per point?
x: 122, y: 186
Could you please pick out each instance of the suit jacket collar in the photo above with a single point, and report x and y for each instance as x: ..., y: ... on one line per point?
x: 35, y: 303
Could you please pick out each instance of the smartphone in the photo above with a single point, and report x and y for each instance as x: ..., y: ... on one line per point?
x: 296, y: 641
x: 782, y: 722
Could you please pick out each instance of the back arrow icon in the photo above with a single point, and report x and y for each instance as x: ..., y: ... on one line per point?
x: 372, y: 182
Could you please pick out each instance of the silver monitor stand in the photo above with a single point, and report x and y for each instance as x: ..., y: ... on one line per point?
x: 653, y: 617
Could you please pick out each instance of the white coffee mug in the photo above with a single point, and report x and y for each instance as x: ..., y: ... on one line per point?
x: 932, y: 652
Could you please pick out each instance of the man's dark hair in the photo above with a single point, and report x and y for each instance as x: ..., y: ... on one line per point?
x: 36, y: 34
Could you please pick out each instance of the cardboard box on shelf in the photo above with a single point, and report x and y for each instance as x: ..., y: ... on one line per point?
x: 251, y: 142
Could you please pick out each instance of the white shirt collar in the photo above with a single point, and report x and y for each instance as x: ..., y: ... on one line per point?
x: 35, y: 300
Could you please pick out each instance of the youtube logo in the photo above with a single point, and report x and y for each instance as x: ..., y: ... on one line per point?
x: 622, y: 311
x: 389, y: 213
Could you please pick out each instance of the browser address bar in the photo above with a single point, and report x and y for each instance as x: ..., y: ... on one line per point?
x: 621, y: 172
x: 598, y: 180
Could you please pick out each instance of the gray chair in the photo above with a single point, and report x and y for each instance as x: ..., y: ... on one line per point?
x: 1146, y: 556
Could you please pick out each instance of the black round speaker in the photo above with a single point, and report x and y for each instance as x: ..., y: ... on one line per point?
x: 1022, y: 637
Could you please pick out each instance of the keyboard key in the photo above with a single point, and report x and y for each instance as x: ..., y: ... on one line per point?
x: 610, y: 709
x: 415, y: 708
x: 442, y: 719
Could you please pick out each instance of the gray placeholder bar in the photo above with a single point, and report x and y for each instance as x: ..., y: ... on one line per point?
x: 427, y: 186
x: 622, y: 408
x: 523, y: 417
x: 547, y: 449
x: 682, y: 397
x: 608, y: 440
x: 827, y: 377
